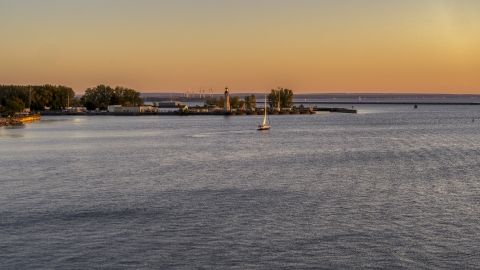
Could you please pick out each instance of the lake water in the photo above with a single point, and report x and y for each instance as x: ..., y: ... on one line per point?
x: 389, y: 188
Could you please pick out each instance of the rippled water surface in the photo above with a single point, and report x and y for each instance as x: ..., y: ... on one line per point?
x: 389, y: 187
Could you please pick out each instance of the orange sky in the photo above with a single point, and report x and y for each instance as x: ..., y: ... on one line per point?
x: 429, y: 46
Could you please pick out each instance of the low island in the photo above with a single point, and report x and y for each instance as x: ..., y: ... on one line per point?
x: 20, y: 104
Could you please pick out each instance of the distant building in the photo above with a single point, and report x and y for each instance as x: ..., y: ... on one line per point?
x: 197, y: 109
x: 111, y: 108
x: 134, y: 109
x: 226, y: 105
x: 167, y: 104
x: 78, y: 109
x: 25, y: 111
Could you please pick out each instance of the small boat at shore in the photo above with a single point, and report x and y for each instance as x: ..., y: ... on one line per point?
x: 264, y: 125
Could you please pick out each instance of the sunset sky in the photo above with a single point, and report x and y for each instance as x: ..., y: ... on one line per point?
x: 418, y: 46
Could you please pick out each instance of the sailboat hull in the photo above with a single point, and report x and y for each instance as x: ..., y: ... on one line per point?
x: 263, y: 127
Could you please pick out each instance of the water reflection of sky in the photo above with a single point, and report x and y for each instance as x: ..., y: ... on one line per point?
x: 395, y: 169
x: 12, y: 131
x: 12, y: 135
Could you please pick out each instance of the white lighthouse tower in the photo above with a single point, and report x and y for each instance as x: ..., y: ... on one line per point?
x: 226, y: 105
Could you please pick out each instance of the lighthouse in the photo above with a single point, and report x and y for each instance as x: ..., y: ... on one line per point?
x: 226, y: 105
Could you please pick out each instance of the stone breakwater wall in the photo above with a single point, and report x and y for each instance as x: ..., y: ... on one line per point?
x: 9, y: 122
x: 18, y: 120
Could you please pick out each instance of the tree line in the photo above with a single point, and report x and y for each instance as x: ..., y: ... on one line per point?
x: 15, y: 98
x: 102, y: 96
x: 249, y: 102
x: 280, y: 97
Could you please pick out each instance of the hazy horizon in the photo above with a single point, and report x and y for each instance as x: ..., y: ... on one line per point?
x: 425, y: 47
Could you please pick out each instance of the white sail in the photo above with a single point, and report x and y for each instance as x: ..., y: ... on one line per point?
x: 265, y: 113
x: 264, y: 126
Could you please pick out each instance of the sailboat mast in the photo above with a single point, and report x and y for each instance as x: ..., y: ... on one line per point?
x: 265, y: 111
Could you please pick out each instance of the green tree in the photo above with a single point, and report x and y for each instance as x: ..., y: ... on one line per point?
x: 272, y: 99
x: 98, y: 95
x: 208, y: 102
x: 241, y: 104
x: 37, y: 97
x: 234, y: 102
x: 215, y: 102
x: 115, y: 99
x: 220, y: 102
x: 90, y: 105
x: 284, y: 96
x: 183, y: 111
x: 125, y: 95
x: 250, y: 102
x: 103, y: 95
x: 41, y: 97
x: 75, y: 102
x: 14, y: 105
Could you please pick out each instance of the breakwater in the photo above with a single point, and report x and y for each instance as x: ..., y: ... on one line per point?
x: 9, y: 122
x: 15, y: 121
x: 339, y: 110
x: 170, y: 113
x: 197, y: 112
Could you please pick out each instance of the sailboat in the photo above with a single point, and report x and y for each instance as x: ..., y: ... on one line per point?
x: 264, y: 125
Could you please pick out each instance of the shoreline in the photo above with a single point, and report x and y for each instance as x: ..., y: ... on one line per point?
x: 16, y: 121
x: 175, y: 113
x: 5, y: 122
x: 197, y: 111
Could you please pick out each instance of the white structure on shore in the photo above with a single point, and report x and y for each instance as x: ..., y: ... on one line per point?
x: 226, y: 105
x: 134, y: 109
x: 111, y: 108
x: 77, y: 109
x: 169, y: 104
